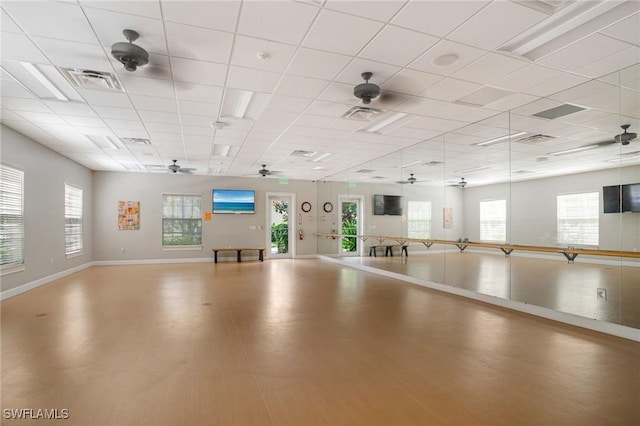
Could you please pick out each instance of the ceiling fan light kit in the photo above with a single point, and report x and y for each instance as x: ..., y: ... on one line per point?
x: 128, y: 54
x: 366, y: 91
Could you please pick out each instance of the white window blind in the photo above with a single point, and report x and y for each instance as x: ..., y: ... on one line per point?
x: 578, y: 218
x: 419, y: 219
x: 181, y: 220
x: 11, y: 217
x: 72, y: 219
x: 493, y: 220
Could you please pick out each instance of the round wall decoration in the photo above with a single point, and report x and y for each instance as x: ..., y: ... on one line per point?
x: 327, y: 207
x: 306, y: 207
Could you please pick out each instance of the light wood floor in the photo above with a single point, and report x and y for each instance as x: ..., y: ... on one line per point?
x: 299, y: 343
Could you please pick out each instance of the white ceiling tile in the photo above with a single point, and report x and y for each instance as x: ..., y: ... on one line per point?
x: 253, y: 80
x: 7, y: 24
x: 512, y: 101
x: 64, y: 21
x: 153, y: 103
x: 328, y: 109
x: 246, y: 50
x: 450, y: 89
x: 411, y: 81
x: 352, y: 74
x: 70, y: 108
x: 69, y: 54
x: 124, y: 124
x: 562, y: 82
x: 496, y: 24
x: 341, y: 33
x: 12, y: 89
x: 281, y: 117
x: 527, y: 77
x: 185, y: 41
x: 76, y: 120
x: 201, y: 120
x: 435, y: 124
x: 293, y: 85
x: 317, y: 64
x: 489, y: 68
x: 109, y: 26
x: 160, y: 126
x: 199, y: 108
x: 18, y: 47
x: 146, y: 86
x: 116, y: 113
x: 286, y: 22
x: 41, y: 117
x: 22, y: 104
x: 378, y: 10
x: 385, y: 46
x: 288, y: 103
x: 612, y: 63
x: 204, y: 131
x: 148, y: 8
x: 217, y: 15
x: 199, y: 93
x: 583, y: 52
x: 418, y: 105
x: 158, y: 117
x: 338, y: 92
x: 625, y: 30
x: 438, y: 18
x: 308, y: 120
x: 466, y: 55
x: 199, y: 72
x: 462, y: 113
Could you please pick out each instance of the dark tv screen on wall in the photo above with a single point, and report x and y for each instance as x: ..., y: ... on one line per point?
x: 387, y: 205
x: 621, y: 198
x: 611, y: 199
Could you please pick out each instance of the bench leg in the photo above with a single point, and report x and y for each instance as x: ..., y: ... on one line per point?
x: 261, y: 255
x: 215, y: 256
x: 389, y: 251
x: 404, y: 250
x: 239, y: 256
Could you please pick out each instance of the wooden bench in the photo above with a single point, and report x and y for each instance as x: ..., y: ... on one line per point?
x: 388, y: 249
x: 239, y: 250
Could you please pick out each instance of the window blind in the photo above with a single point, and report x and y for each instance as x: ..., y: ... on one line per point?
x: 181, y: 220
x: 72, y: 219
x: 419, y: 219
x: 11, y: 216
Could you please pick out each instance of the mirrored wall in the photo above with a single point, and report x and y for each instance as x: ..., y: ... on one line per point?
x: 540, y: 204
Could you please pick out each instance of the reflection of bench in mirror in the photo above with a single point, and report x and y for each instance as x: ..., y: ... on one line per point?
x: 239, y: 250
x: 388, y: 249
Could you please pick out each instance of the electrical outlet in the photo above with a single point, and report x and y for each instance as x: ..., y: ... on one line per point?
x: 601, y: 294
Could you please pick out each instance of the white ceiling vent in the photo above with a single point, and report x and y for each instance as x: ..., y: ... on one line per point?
x: 535, y: 138
x: 155, y: 167
x: 364, y: 171
x: 135, y: 141
x: 302, y: 153
x: 360, y: 113
x: 88, y: 79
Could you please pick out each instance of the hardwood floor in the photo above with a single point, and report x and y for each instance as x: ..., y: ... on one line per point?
x: 299, y: 343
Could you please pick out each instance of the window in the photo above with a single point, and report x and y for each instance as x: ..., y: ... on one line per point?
x: 11, y: 218
x: 72, y: 220
x: 419, y: 219
x: 493, y: 220
x: 181, y: 220
x: 578, y: 216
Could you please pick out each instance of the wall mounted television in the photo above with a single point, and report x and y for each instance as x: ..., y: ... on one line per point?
x: 387, y: 205
x: 234, y: 201
x: 625, y: 198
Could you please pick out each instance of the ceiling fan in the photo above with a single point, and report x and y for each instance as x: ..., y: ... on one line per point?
x: 130, y: 55
x: 410, y: 180
x: 626, y: 137
x: 266, y: 172
x: 175, y: 168
x: 369, y: 91
x: 462, y: 183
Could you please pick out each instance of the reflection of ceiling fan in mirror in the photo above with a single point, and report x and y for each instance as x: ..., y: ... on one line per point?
x: 266, y: 172
x: 461, y: 184
x: 623, y: 138
x: 175, y: 168
x: 410, y: 180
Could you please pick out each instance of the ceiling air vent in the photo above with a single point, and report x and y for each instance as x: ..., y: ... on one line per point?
x: 535, y: 138
x: 301, y: 153
x: 559, y: 111
x: 433, y: 163
x: 155, y: 167
x: 360, y: 113
x: 364, y: 171
x: 135, y: 141
x: 88, y: 79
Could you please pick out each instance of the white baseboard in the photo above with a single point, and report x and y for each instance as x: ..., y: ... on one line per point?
x: 152, y: 261
x: 41, y: 281
x: 591, y: 324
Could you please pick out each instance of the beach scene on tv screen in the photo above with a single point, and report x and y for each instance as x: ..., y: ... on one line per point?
x: 233, y: 201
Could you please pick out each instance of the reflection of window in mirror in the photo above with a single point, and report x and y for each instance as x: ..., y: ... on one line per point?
x: 578, y: 218
x: 493, y: 220
x: 419, y: 219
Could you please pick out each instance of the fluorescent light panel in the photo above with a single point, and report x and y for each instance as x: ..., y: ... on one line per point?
x: 320, y: 157
x: 413, y: 163
x: 44, y: 81
x: 386, y: 122
x: 573, y: 150
x: 221, y: 150
x: 243, y: 104
x: 500, y: 139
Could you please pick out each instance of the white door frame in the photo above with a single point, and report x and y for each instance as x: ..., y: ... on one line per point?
x: 292, y: 223
x: 360, y: 231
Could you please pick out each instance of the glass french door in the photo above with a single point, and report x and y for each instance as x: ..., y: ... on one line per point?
x: 350, y: 224
x: 280, y: 222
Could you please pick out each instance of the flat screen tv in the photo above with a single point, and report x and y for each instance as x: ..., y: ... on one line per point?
x: 387, y: 205
x: 611, y: 199
x: 625, y: 198
x: 234, y: 201
x: 631, y: 197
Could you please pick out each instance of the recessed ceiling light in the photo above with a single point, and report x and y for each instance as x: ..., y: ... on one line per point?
x: 263, y: 56
x: 445, y: 60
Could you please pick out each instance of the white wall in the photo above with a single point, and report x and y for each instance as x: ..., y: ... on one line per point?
x: 531, y: 208
x: 45, y: 174
x: 222, y: 231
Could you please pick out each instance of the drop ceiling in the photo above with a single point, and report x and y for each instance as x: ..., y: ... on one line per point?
x: 452, y: 74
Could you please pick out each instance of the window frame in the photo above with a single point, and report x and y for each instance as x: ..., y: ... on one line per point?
x: 18, y: 180
x: 198, y: 220
x: 428, y: 221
